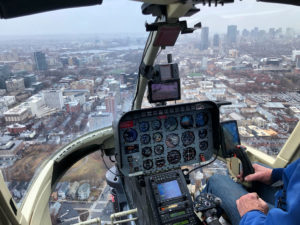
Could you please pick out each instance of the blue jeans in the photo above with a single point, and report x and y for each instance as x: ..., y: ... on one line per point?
x: 229, y: 191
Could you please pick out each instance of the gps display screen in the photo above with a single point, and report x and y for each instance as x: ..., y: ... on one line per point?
x: 230, y: 135
x: 169, y: 190
x: 165, y: 91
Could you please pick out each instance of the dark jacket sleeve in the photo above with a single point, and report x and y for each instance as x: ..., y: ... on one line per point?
x: 291, y: 180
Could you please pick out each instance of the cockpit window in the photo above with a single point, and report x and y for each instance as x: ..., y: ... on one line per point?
x: 248, y: 54
x: 60, y: 78
x: 67, y: 73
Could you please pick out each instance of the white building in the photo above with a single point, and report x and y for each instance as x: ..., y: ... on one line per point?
x: 295, y: 54
x: 53, y: 98
x: 63, y: 190
x: 17, y: 114
x: 36, y: 103
x: 83, y: 192
x: 8, y: 100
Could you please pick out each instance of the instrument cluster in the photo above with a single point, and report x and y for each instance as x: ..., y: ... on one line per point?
x: 160, y: 139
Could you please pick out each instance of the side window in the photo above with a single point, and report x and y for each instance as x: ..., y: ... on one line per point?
x: 82, y: 193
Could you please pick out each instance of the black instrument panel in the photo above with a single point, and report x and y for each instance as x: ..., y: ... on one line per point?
x: 164, y: 138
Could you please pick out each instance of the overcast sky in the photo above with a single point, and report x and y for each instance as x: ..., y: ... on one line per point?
x: 124, y: 16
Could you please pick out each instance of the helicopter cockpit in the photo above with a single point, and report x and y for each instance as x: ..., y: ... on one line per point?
x: 155, y: 148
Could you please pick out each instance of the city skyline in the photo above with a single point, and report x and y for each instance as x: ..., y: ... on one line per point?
x: 89, y: 20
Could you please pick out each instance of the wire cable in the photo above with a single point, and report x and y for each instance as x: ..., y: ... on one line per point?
x: 200, y: 166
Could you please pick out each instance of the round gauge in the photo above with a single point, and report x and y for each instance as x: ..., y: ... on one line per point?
x: 171, y: 123
x: 160, y: 162
x: 157, y: 137
x: 189, y: 154
x: 130, y: 135
x: 202, y: 133
x: 172, y: 140
x: 173, y: 157
x: 201, y: 119
x: 146, y: 151
x: 144, y: 126
x: 203, y: 145
x: 156, y: 124
x: 187, y: 121
x: 159, y: 149
x: 145, y: 139
x: 188, y: 138
x: 148, y: 164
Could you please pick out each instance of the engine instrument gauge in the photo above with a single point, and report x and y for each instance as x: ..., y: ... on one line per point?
x: 189, y: 154
x: 172, y: 140
x: 159, y: 149
x: 144, y: 126
x: 187, y: 121
x: 188, y: 138
x: 130, y: 135
x: 174, y: 157
x: 148, y: 164
x: 160, y: 162
x: 145, y: 139
x: 201, y: 119
x: 156, y: 124
x: 203, y: 145
x: 202, y: 133
x: 146, y: 151
x: 157, y: 137
x: 171, y: 123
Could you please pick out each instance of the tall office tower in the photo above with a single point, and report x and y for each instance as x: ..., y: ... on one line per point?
x: 204, y: 38
x: 4, y: 75
x: 40, y: 61
x: 111, y: 105
x: 245, y: 33
x: 231, y: 34
x: 53, y: 98
x: 298, y: 62
x: 29, y: 80
x: 216, y: 40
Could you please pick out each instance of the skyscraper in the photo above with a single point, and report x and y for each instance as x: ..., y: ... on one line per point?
x: 204, y: 38
x: 298, y: 62
x: 231, y: 34
x: 216, y: 40
x: 4, y: 75
x: 111, y: 105
x: 40, y: 61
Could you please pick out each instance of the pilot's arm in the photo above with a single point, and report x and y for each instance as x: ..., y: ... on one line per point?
x: 254, y: 211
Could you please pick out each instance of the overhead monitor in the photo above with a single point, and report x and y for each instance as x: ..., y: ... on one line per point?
x: 164, y: 91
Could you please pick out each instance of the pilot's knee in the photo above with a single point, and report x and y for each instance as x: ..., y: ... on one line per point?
x: 215, y: 181
x: 217, y: 178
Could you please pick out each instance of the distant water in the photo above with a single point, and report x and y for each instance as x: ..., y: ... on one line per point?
x: 98, y: 51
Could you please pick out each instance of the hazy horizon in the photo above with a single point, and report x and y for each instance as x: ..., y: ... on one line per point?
x: 93, y: 20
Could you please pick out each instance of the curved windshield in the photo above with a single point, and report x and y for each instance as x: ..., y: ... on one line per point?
x: 66, y: 73
x: 63, y: 74
x: 246, y: 53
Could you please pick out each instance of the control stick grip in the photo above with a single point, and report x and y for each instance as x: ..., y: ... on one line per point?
x: 240, y: 153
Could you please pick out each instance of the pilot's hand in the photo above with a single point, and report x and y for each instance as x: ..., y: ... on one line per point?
x: 250, y: 202
x: 261, y: 174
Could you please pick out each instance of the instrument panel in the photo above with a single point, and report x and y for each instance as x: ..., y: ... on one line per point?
x: 164, y: 138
